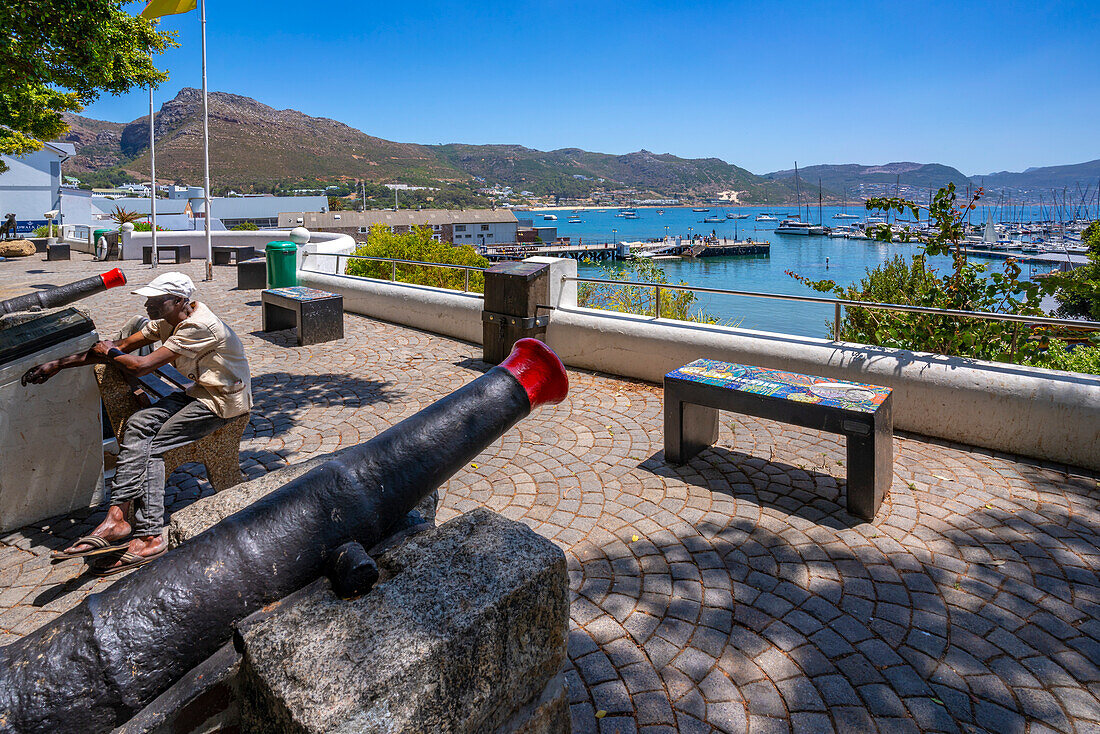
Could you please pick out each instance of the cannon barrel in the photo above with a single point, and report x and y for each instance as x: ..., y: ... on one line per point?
x: 98, y: 664
x: 64, y: 294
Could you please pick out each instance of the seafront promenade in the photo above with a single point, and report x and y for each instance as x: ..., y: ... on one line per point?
x: 731, y: 594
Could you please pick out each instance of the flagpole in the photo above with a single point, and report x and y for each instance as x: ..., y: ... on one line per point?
x: 206, y: 148
x: 153, y: 258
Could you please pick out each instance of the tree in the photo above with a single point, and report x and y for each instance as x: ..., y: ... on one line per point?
x: 964, y: 288
x: 418, y: 245
x: 59, y: 55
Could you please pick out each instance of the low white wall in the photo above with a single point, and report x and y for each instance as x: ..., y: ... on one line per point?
x: 325, y: 242
x: 1024, y: 410
x: 1035, y: 412
x: 438, y: 310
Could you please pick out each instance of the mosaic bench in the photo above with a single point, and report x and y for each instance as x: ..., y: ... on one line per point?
x: 318, y: 315
x: 696, y: 392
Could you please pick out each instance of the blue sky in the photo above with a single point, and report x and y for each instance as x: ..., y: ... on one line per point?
x: 980, y: 86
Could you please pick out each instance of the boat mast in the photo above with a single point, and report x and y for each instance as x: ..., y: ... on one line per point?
x: 798, y: 190
x: 819, y: 221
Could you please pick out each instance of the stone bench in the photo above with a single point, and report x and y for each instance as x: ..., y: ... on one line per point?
x: 252, y: 274
x: 182, y: 253
x: 318, y: 315
x: 696, y: 392
x: 224, y: 254
x: 58, y: 251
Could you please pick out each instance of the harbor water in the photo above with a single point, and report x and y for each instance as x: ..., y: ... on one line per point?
x: 845, y: 261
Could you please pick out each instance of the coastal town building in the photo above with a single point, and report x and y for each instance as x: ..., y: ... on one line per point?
x: 477, y: 227
x: 32, y: 185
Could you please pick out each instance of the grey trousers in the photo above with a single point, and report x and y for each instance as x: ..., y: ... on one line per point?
x: 175, y: 421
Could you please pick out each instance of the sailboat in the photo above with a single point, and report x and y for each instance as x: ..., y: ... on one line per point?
x: 844, y: 214
x: 795, y: 225
x: 989, y: 237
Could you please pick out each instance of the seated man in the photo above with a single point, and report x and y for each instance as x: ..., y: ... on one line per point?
x: 202, y: 347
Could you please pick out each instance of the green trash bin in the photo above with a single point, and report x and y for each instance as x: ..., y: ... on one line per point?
x: 96, y: 234
x: 282, y: 264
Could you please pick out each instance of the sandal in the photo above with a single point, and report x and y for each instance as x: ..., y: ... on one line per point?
x: 98, y: 547
x: 126, y: 562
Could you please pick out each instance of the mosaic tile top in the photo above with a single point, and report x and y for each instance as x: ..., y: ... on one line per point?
x: 301, y: 293
x: 788, y: 385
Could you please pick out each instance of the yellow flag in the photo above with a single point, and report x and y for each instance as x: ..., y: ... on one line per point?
x: 158, y: 8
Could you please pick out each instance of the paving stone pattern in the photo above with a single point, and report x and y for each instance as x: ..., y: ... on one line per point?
x: 732, y: 594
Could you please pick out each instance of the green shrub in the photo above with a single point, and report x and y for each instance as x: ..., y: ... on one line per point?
x: 244, y: 227
x: 147, y: 227
x: 417, y: 245
x: 964, y: 288
x: 43, y: 231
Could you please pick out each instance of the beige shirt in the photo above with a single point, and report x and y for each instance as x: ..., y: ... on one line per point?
x: 212, y: 355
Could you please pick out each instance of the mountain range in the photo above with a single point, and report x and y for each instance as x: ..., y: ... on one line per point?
x: 857, y: 181
x: 254, y: 147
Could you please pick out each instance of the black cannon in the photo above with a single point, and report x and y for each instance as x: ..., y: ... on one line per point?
x: 98, y: 664
x: 64, y: 294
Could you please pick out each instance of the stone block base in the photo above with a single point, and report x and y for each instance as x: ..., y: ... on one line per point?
x: 466, y: 632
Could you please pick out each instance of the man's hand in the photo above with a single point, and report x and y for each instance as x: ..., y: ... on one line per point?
x: 41, y: 373
x: 102, y: 349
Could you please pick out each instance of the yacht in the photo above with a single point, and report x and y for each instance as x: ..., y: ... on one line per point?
x: 766, y: 218
x: 790, y: 226
x: 575, y: 220
x: 700, y: 209
x: 550, y: 217
x: 731, y: 215
x: 842, y: 215
x: 713, y: 219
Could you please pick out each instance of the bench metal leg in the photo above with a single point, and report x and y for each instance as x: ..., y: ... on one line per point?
x: 870, y: 469
x: 689, y: 429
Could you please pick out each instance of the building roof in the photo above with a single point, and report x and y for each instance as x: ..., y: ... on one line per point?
x: 403, y: 217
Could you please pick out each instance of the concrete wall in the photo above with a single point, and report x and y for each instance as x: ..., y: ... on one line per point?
x: 322, y: 242
x: 1025, y: 410
x: 438, y: 310
x: 1035, y: 412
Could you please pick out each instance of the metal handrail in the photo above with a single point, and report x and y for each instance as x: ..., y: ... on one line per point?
x: 397, y: 261
x: 839, y: 303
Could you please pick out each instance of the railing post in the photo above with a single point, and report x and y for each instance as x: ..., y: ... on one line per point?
x: 836, y: 324
x: 393, y: 271
x: 657, y: 299
x: 466, y: 287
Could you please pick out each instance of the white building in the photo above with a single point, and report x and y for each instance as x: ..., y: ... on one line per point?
x: 477, y: 227
x: 32, y: 185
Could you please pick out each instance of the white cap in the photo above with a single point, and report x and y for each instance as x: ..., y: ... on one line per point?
x: 168, y: 284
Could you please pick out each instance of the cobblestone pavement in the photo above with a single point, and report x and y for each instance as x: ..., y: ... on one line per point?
x: 733, y: 593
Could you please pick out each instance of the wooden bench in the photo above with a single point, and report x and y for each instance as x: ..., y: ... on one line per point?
x: 182, y: 253
x: 318, y: 315
x: 696, y: 392
x: 224, y: 254
x: 219, y: 451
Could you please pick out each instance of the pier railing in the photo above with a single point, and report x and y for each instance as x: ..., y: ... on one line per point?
x: 394, y: 262
x: 839, y: 304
